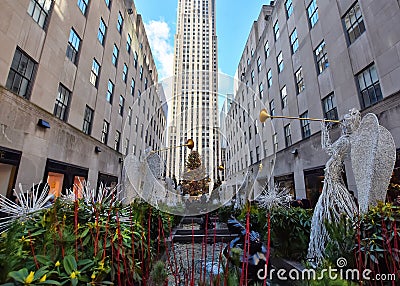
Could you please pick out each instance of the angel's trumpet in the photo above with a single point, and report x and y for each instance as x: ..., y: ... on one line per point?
x: 264, y: 115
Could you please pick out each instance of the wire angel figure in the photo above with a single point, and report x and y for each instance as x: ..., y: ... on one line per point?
x: 335, y: 199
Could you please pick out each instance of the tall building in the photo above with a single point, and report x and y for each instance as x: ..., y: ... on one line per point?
x: 194, y: 112
x: 316, y: 59
x: 76, y: 92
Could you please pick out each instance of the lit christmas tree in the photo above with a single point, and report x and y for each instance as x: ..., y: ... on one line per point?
x: 194, y: 180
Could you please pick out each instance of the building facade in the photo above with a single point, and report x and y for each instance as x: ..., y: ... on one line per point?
x: 77, y: 92
x: 311, y: 58
x: 194, y: 112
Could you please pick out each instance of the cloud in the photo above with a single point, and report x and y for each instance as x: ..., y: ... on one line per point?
x: 158, y: 33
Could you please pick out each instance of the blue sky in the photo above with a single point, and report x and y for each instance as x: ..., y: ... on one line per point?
x: 234, y: 21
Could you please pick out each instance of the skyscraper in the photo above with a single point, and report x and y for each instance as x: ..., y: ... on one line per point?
x: 194, y: 112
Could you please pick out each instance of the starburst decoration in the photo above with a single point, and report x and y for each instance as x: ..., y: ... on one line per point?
x: 26, y: 204
x: 275, y: 197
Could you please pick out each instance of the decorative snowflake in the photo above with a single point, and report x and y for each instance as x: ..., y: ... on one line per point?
x: 26, y: 204
x: 275, y: 197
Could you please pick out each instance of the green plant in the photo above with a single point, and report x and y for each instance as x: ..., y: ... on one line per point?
x: 159, y: 273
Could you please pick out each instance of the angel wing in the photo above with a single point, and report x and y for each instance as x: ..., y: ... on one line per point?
x: 373, y: 154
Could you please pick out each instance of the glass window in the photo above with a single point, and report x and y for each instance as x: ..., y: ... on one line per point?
x: 62, y: 103
x: 252, y: 77
x: 289, y: 8
x: 305, y: 126
x: 258, y: 64
x: 115, y: 55
x: 329, y: 107
x: 129, y: 44
x: 102, y: 31
x: 299, y: 80
x: 117, y: 140
x: 321, y: 57
x: 370, y: 88
x: 294, y: 42
x: 135, y: 59
x: 266, y: 49
x: 354, y: 22
x: 94, y: 75
x: 110, y: 91
x: 104, y: 132
x: 108, y: 3
x: 276, y: 30
x: 82, y: 4
x: 73, y: 46
x: 132, y: 86
x: 141, y: 72
x: 121, y: 105
x: 126, y: 146
x: 87, y: 120
x: 269, y: 77
x: 21, y: 74
x: 288, y: 135
x: 120, y: 22
x: 312, y: 11
x: 39, y: 11
x: 275, y: 140
x: 145, y: 83
x: 283, y: 97
x: 125, y: 73
x: 260, y: 90
x: 272, y: 107
x: 279, y: 60
x: 130, y: 115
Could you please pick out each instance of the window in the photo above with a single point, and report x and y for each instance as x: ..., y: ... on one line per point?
x: 329, y: 107
x: 251, y: 158
x: 354, y: 23
x: 82, y: 4
x: 288, y: 135
x: 294, y: 42
x: 260, y: 90
x: 135, y: 59
x: 321, y: 57
x: 299, y: 80
x: 272, y: 107
x: 269, y: 77
x: 276, y: 30
x: 257, y: 153
x: 120, y: 22
x: 129, y: 44
x: 126, y: 146
x: 130, y: 115
x: 312, y: 11
x: 125, y: 73
x: 145, y: 83
x: 275, y: 140
x: 108, y: 3
x: 266, y: 49
x: 87, y: 120
x: 258, y: 64
x: 117, y: 140
x: 115, y: 55
x: 39, y: 11
x: 110, y: 91
x: 141, y: 72
x: 305, y: 126
x: 94, y: 76
x: 104, y: 132
x: 279, y: 60
x: 289, y: 8
x: 21, y: 74
x: 132, y: 86
x: 102, y: 31
x: 252, y: 77
x: 370, y: 89
x: 62, y: 103
x: 121, y: 105
x: 73, y: 46
x: 249, y: 132
x: 283, y: 97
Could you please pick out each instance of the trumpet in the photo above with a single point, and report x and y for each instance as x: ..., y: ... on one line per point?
x: 264, y: 115
x: 189, y: 143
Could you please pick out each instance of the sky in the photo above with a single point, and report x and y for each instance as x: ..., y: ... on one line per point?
x: 234, y: 21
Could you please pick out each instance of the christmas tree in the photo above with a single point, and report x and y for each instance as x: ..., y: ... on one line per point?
x: 195, y: 181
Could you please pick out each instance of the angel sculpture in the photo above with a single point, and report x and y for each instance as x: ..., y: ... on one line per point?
x: 372, y: 155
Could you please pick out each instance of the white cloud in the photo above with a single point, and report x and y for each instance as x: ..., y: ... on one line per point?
x: 158, y: 33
